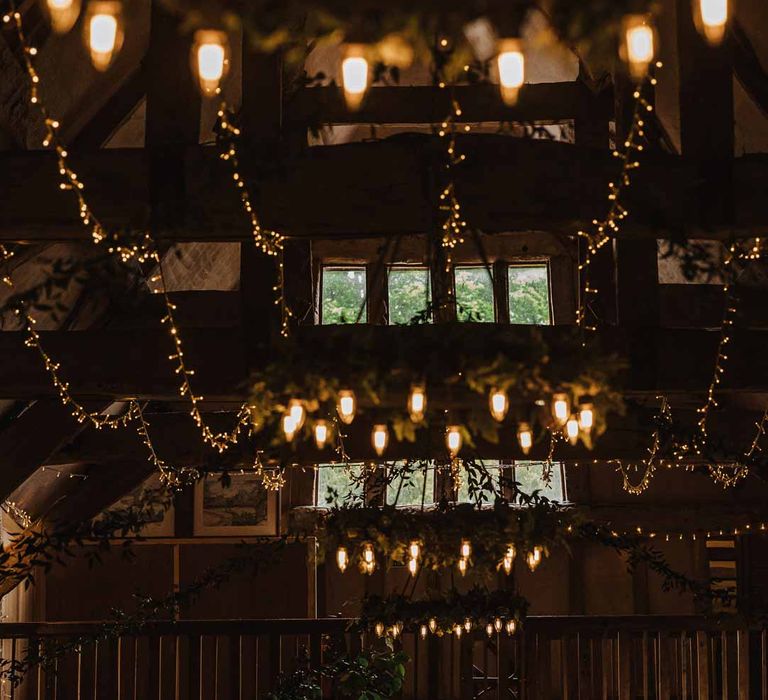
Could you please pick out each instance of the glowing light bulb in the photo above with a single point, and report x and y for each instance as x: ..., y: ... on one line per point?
x: 289, y: 427
x: 453, y: 439
x: 572, y: 430
x: 534, y: 557
x: 511, y: 67
x: 347, y: 406
x: 423, y: 631
x: 368, y: 554
x: 586, y: 417
x: 468, y: 625
x: 104, y: 33
x: 499, y: 404
x: 297, y: 411
x: 463, y: 566
x: 379, y: 629
x: 525, y: 437
x: 413, y: 566
x: 498, y: 625
x: 414, y: 549
x: 457, y: 631
x: 639, y: 47
x: 397, y: 628
x: 561, y: 408
x: 510, y: 627
x: 63, y: 14
x: 509, y: 559
x: 432, y: 625
x: 711, y: 19
x: 417, y: 403
x: 342, y: 559
x: 380, y: 438
x: 354, y: 75
x: 321, y: 434
x: 466, y: 549
x: 210, y: 58
x: 489, y: 629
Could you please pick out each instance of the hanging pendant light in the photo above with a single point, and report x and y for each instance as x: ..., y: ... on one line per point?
x: 417, y: 403
x: 354, y: 75
x: 639, y: 44
x: 498, y: 401
x: 561, y: 408
x: 509, y: 559
x: 380, y: 438
x: 347, y: 406
x: 104, y: 32
x: 210, y: 60
x: 511, y: 66
x: 63, y: 14
x: 321, y: 434
x: 572, y: 430
x: 453, y: 439
x: 525, y: 438
x: 711, y: 18
x: 342, y: 559
x: 586, y: 417
x: 289, y: 427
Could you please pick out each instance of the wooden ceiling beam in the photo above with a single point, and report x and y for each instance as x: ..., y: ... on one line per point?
x: 542, y: 102
x: 377, y: 189
x: 118, y: 365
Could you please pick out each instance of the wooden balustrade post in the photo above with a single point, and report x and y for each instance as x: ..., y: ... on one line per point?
x: 702, y: 664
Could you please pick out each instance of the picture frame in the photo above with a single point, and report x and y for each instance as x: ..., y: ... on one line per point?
x: 164, y: 525
x: 244, y: 508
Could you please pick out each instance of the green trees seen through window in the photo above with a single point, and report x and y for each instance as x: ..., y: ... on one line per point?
x: 409, y: 294
x: 529, y: 294
x: 474, y: 294
x: 343, y: 295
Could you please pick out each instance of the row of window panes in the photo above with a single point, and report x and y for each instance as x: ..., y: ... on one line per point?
x: 336, y: 485
x: 343, y: 294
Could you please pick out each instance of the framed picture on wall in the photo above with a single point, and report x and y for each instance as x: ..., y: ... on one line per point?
x: 161, y: 520
x: 242, y: 508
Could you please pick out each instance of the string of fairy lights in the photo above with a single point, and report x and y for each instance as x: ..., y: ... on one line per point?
x: 210, y: 51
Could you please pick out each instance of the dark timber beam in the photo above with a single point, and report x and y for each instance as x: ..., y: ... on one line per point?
x: 127, y: 364
x: 376, y: 189
x: 543, y: 102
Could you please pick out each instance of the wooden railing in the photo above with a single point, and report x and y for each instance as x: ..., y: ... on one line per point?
x: 553, y: 657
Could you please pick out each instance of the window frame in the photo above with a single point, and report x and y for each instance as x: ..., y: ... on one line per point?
x: 544, y: 262
x: 341, y: 267
x: 405, y: 266
x: 494, y: 289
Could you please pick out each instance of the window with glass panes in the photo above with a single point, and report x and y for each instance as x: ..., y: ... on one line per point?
x: 529, y: 300
x: 412, y: 488
x: 343, y: 294
x: 473, y: 287
x: 409, y: 294
x: 338, y: 485
x: 531, y: 476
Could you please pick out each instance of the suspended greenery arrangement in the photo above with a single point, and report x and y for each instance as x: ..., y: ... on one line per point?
x: 409, y: 377
x: 449, y: 613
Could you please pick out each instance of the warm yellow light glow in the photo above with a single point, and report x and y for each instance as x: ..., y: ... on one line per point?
x: 489, y: 629
x: 466, y: 549
x: 525, y: 437
x: 499, y: 404
x: 711, y: 19
x: 397, y: 628
x: 457, y: 631
x: 354, y: 75
x: 498, y: 625
x: 423, y: 630
x: 414, y: 550
x: 368, y: 554
x: 104, y: 33
x: 380, y: 438
x: 586, y: 417
x: 321, y: 434
x: 342, y: 558
x: 509, y: 559
x: 453, y: 439
x: 561, y: 408
x: 511, y: 627
x: 379, y: 629
x: 468, y: 625
x: 639, y: 47
x: 413, y: 566
x: 511, y: 67
x: 432, y: 625
x: 534, y: 557
x: 210, y: 53
x: 347, y: 406
x: 63, y: 14
x: 417, y: 403
x: 297, y: 412
x: 463, y: 566
x: 289, y: 426
x: 572, y: 430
